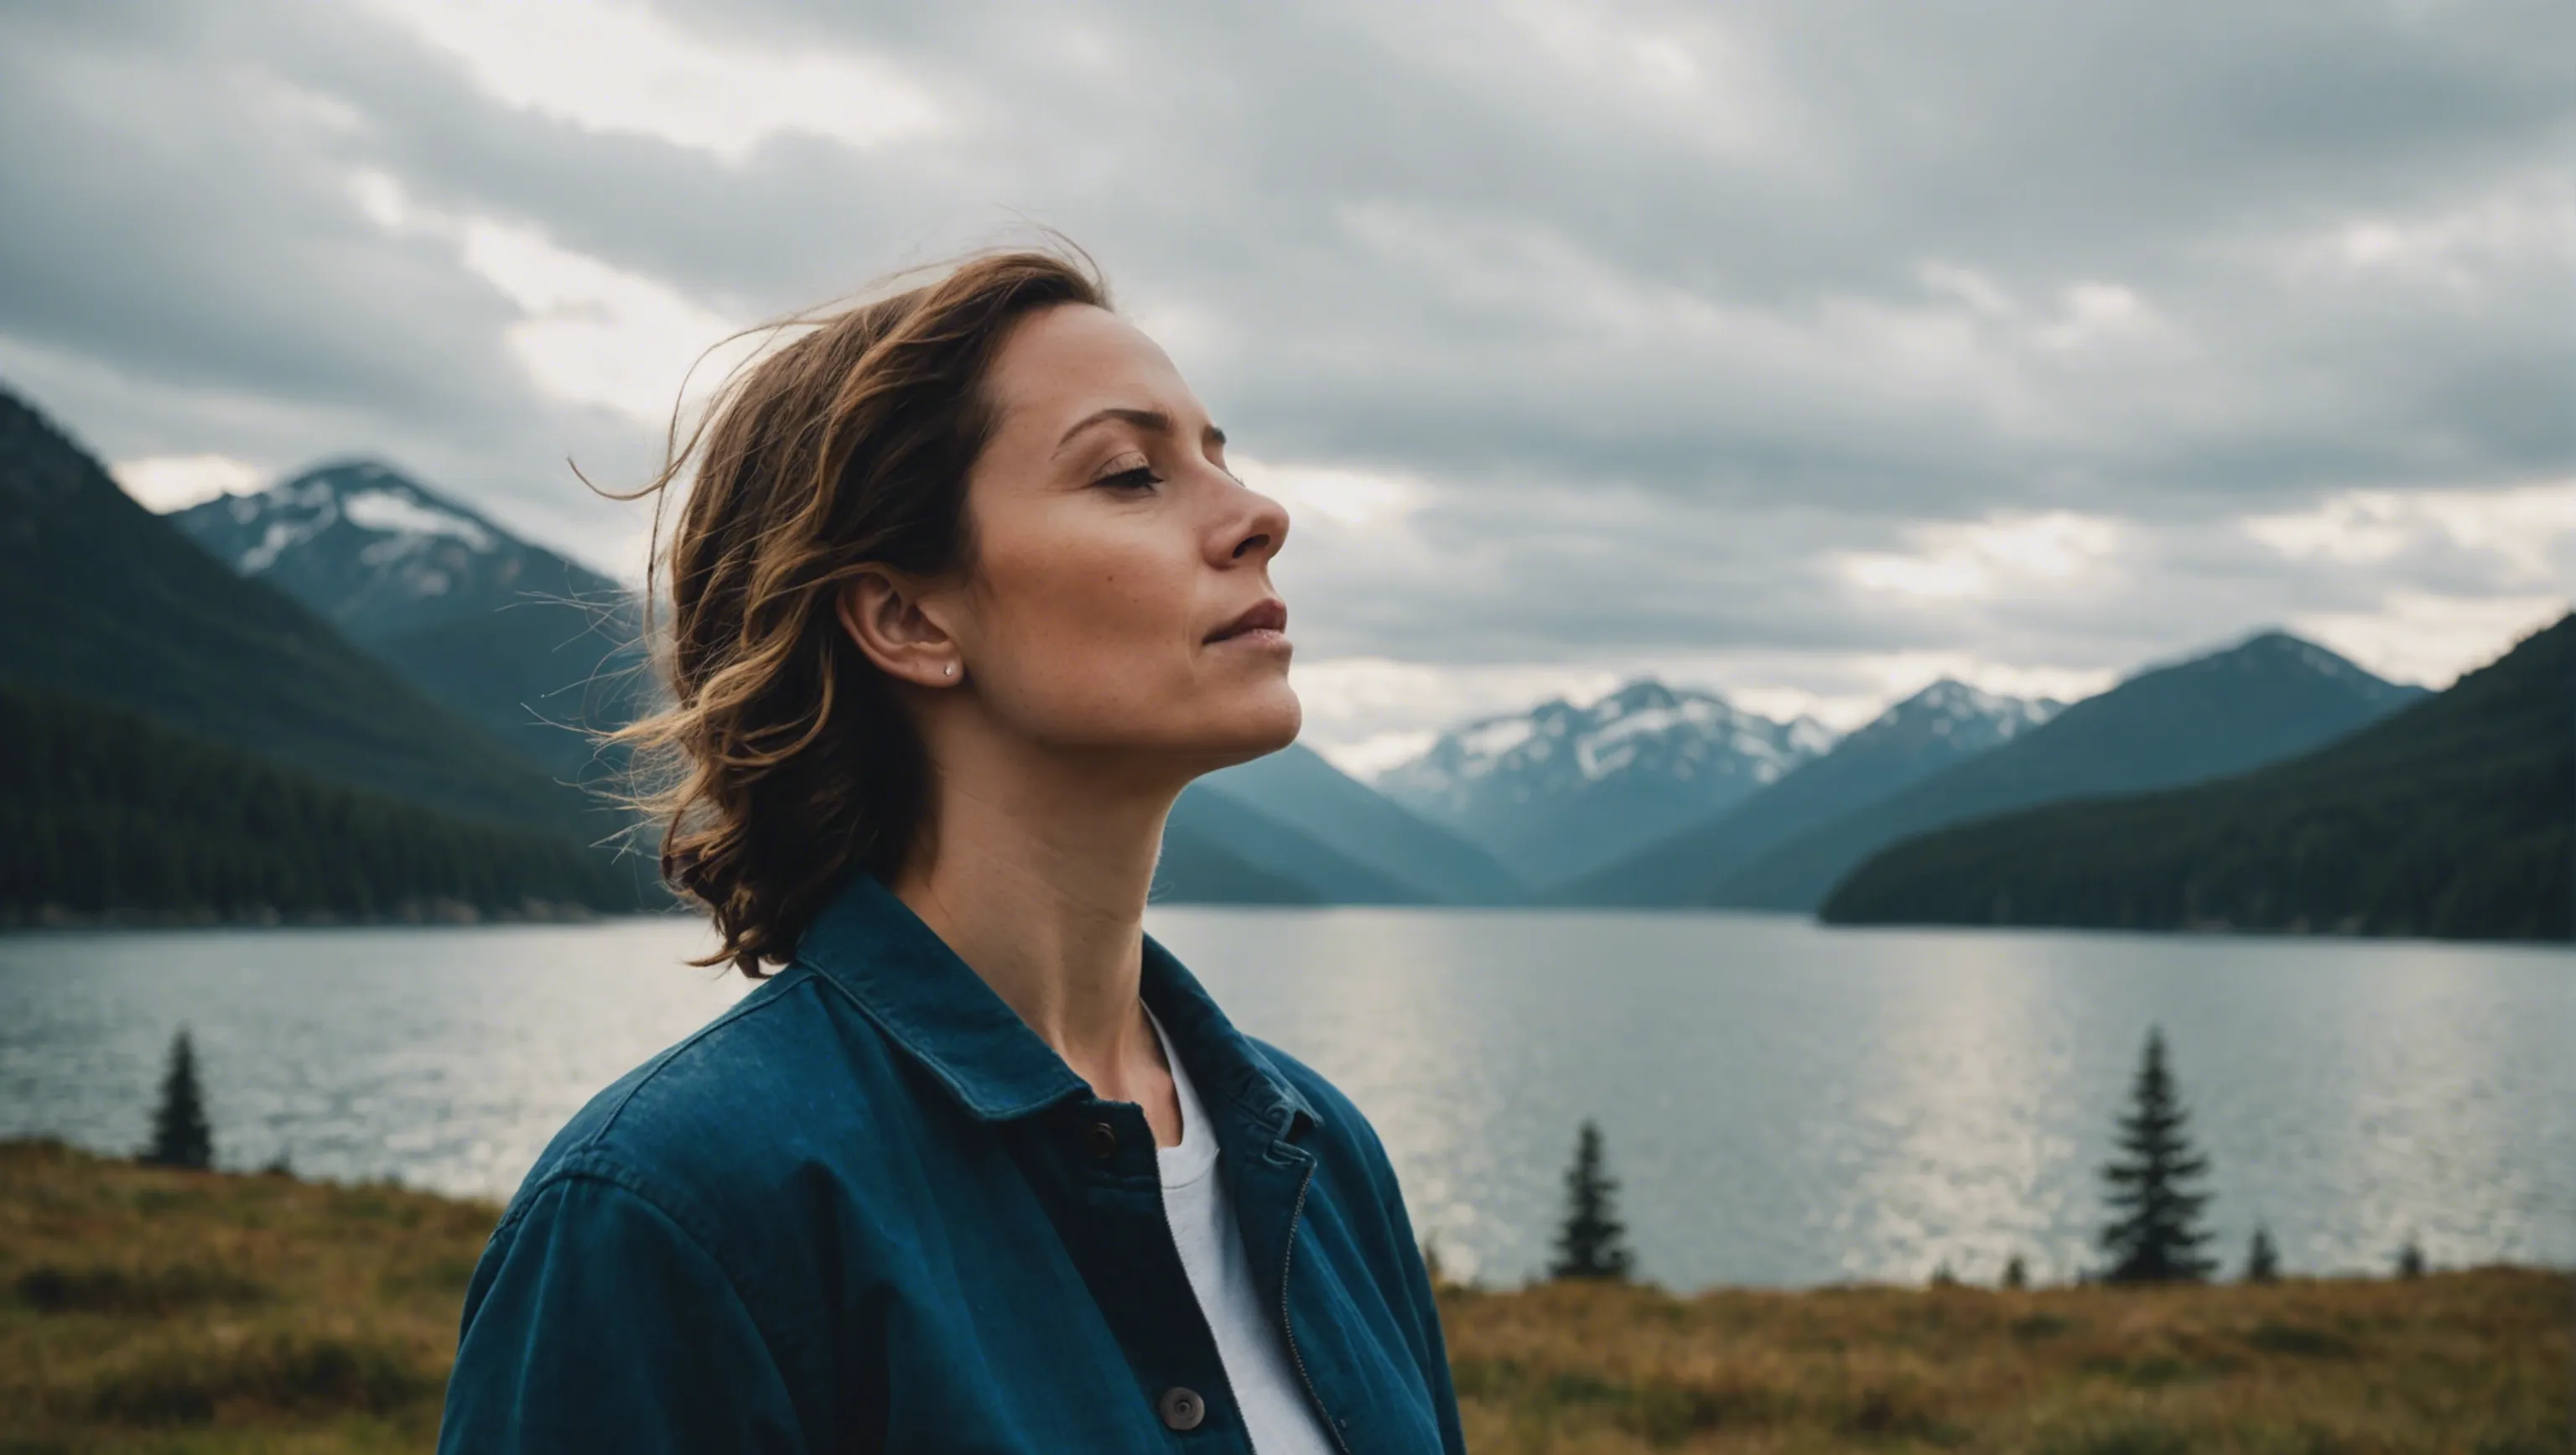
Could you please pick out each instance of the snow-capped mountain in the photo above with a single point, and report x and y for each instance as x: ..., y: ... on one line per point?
x: 514, y: 635
x: 1962, y: 720
x: 1560, y: 789
x: 378, y: 553
x: 1945, y: 723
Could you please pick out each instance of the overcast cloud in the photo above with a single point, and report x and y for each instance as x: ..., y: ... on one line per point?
x: 1806, y: 351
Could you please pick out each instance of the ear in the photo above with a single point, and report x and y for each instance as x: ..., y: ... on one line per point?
x: 895, y: 620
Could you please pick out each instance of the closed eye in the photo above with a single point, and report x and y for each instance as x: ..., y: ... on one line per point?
x: 1140, y: 478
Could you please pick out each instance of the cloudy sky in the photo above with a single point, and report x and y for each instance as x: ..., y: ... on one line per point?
x: 1804, y: 351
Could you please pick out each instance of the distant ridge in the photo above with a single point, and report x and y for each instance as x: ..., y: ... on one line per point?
x: 101, y: 599
x: 1297, y: 787
x: 1946, y: 723
x: 2268, y: 698
x: 1198, y: 869
x: 2454, y: 818
x: 525, y: 642
x: 376, y: 552
x: 1326, y: 875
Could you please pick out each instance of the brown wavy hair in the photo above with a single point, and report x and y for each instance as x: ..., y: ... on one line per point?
x: 784, y: 758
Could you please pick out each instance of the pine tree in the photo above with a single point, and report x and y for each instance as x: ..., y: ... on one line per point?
x: 1588, y: 1244
x: 2016, y: 1272
x: 2154, y: 1234
x: 2262, y: 1260
x: 180, y: 1136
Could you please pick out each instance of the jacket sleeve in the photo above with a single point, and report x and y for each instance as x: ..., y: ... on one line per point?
x: 596, y: 1322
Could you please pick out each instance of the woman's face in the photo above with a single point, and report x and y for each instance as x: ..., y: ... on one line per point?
x: 1114, y: 553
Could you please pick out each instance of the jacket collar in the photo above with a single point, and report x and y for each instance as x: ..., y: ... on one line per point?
x: 870, y: 944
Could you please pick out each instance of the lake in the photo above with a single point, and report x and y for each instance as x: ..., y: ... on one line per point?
x: 1782, y: 1103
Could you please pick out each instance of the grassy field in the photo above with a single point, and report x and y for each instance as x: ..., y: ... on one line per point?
x: 2475, y: 1362
x: 144, y: 1310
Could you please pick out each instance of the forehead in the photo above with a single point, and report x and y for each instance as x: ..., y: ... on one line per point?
x: 1062, y: 363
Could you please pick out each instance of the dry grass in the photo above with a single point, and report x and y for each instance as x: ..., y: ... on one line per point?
x: 144, y: 1310
x: 2474, y: 1362
x: 150, y: 1310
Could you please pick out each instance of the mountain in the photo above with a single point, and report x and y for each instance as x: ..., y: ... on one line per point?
x: 1298, y: 788
x: 1946, y: 723
x: 1197, y: 869
x: 512, y: 635
x: 2269, y: 698
x: 105, y: 814
x: 1561, y: 790
x: 103, y: 600
x: 2455, y: 818
x: 1209, y: 816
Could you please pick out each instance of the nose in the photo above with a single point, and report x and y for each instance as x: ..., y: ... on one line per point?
x: 1258, y: 528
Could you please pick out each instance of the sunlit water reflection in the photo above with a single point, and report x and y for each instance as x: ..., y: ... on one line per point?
x: 1782, y: 1104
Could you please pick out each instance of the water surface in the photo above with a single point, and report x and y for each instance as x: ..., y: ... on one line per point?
x: 1783, y: 1104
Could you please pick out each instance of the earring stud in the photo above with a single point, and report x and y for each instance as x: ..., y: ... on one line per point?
x: 950, y: 670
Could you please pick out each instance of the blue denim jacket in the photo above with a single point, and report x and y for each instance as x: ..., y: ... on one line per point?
x: 867, y: 1208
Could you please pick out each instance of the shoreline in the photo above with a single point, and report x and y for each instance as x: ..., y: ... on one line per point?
x: 431, y: 914
x: 457, y: 914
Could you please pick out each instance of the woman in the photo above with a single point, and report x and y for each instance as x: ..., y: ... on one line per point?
x: 962, y: 597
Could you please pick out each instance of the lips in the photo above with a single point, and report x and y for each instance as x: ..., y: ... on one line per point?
x: 1267, y: 614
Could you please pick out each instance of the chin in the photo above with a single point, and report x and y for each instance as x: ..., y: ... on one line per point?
x: 1263, y: 721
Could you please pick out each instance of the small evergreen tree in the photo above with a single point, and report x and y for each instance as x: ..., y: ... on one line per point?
x: 2016, y: 1272
x: 2262, y: 1260
x: 2154, y: 1235
x: 1588, y: 1244
x: 180, y: 1136
x: 2410, y: 1259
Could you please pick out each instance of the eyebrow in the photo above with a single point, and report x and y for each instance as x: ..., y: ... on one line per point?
x: 1146, y: 419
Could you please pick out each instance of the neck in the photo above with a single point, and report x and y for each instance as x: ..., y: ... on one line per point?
x: 1035, y: 872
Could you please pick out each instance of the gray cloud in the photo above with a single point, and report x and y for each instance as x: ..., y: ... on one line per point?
x: 1673, y: 314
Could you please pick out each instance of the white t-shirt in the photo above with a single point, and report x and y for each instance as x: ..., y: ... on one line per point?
x: 1276, y: 1411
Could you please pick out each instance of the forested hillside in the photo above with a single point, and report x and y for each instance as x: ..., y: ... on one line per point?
x: 103, y: 600
x: 104, y: 813
x: 2263, y: 701
x: 2455, y: 818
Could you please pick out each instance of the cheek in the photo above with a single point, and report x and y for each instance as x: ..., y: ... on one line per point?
x: 1086, y: 627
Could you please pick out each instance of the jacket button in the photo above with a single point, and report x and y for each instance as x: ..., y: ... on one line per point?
x: 1182, y: 1408
x: 1104, y: 1145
